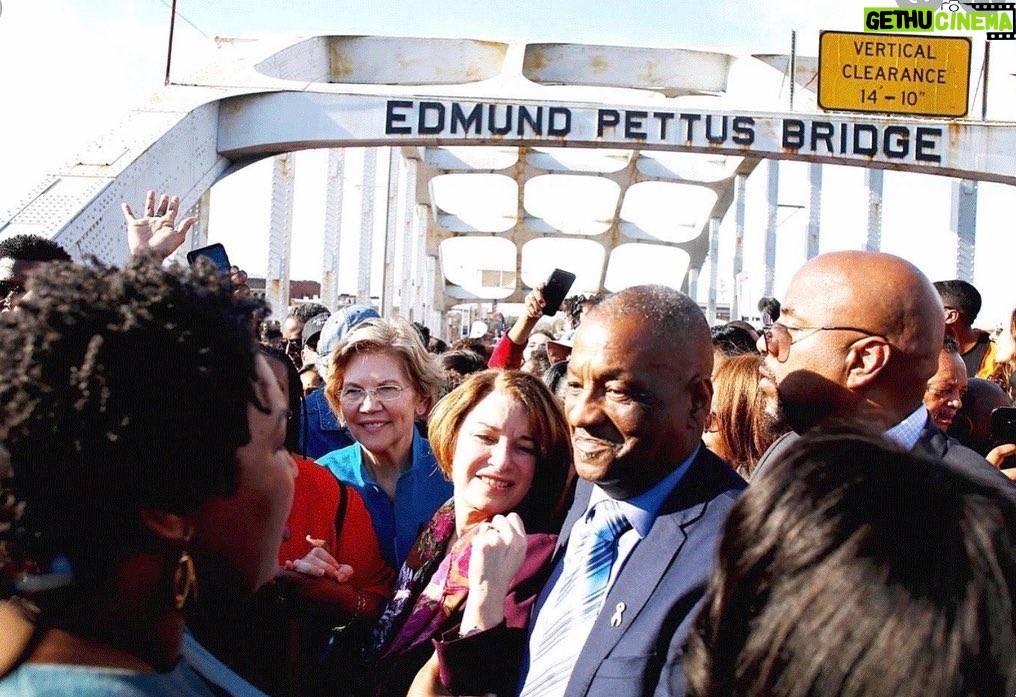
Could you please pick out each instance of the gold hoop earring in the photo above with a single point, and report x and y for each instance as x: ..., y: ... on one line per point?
x: 185, y: 581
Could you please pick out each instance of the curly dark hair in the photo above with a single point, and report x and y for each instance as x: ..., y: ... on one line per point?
x: 32, y: 248
x: 121, y: 390
x: 305, y: 311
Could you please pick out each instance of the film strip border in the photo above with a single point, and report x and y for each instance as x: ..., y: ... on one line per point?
x: 996, y: 7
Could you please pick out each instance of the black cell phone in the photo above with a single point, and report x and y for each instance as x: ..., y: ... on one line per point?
x: 214, y: 252
x: 556, y: 290
x: 1003, y: 425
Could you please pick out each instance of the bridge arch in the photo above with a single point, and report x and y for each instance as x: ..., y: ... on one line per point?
x: 635, y: 119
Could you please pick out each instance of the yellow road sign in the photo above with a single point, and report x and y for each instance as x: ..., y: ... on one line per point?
x: 893, y: 73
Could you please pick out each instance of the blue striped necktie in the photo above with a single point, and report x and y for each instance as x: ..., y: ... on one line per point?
x: 565, y: 620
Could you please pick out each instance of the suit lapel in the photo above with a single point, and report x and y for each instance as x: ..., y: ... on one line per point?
x: 643, y: 570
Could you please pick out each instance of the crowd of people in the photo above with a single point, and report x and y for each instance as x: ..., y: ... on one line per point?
x: 622, y: 501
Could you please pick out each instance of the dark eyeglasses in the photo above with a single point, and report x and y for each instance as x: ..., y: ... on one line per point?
x: 776, y: 338
x: 7, y: 289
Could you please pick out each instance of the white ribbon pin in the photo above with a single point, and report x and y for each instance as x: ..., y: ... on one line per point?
x: 617, y: 618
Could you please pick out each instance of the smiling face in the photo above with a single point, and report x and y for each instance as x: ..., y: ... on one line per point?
x: 944, y: 395
x: 384, y: 429
x: 636, y: 401
x: 247, y: 528
x: 494, y: 459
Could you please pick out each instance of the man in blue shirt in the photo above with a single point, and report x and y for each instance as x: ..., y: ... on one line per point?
x: 638, y: 393
x: 858, y: 338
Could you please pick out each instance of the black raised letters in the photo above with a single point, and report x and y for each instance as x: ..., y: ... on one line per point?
x: 606, y: 118
x: 391, y: 117
x: 439, y: 124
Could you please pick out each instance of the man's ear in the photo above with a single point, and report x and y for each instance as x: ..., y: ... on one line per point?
x: 171, y: 527
x: 701, y: 399
x: 865, y: 360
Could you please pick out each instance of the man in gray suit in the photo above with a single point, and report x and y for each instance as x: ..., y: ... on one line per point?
x: 638, y: 393
x: 858, y: 338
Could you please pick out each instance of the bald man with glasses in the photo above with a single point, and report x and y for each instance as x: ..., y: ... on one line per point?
x: 858, y: 338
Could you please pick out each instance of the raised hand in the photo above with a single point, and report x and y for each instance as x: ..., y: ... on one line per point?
x: 156, y: 230
x: 498, y: 550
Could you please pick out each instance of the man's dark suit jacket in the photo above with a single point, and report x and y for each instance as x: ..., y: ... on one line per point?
x: 661, y: 585
x: 932, y: 445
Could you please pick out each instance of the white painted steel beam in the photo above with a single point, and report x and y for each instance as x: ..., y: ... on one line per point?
x: 814, y: 210
x: 963, y: 222
x: 280, y: 232
x: 874, y: 182
x: 714, y: 269
x: 277, y: 95
x: 736, y: 311
x: 333, y: 226
x: 772, y: 223
x: 366, y: 248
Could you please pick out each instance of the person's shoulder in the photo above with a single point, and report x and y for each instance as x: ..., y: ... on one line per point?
x: 774, y: 451
x: 954, y: 451
x: 84, y: 681
x: 344, y: 461
x: 960, y: 459
x: 424, y: 463
x: 312, y: 474
x: 719, y: 472
x: 538, y: 542
x: 316, y: 400
x: 710, y: 484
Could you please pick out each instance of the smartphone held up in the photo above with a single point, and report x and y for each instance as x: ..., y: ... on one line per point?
x: 556, y: 290
x: 215, y: 253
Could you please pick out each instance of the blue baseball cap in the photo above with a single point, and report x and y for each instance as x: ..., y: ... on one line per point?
x: 339, y: 324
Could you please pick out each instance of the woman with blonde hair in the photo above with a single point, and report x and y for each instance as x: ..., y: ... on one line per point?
x: 1004, y: 373
x: 473, y: 575
x: 382, y: 384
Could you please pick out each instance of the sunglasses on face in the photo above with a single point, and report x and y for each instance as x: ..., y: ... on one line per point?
x: 777, y: 338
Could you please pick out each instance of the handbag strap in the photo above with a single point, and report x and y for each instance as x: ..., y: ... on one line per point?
x: 340, y: 514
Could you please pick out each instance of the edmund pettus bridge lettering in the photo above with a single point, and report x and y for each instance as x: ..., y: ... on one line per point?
x: 485, y: 121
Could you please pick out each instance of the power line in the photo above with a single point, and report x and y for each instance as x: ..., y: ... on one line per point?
x: 180, y: 15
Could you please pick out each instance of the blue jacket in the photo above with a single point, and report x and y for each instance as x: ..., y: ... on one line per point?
x: 320, y: 431
x: 419, y: 492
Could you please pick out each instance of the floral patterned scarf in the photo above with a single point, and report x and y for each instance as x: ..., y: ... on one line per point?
x: 431, y: 586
